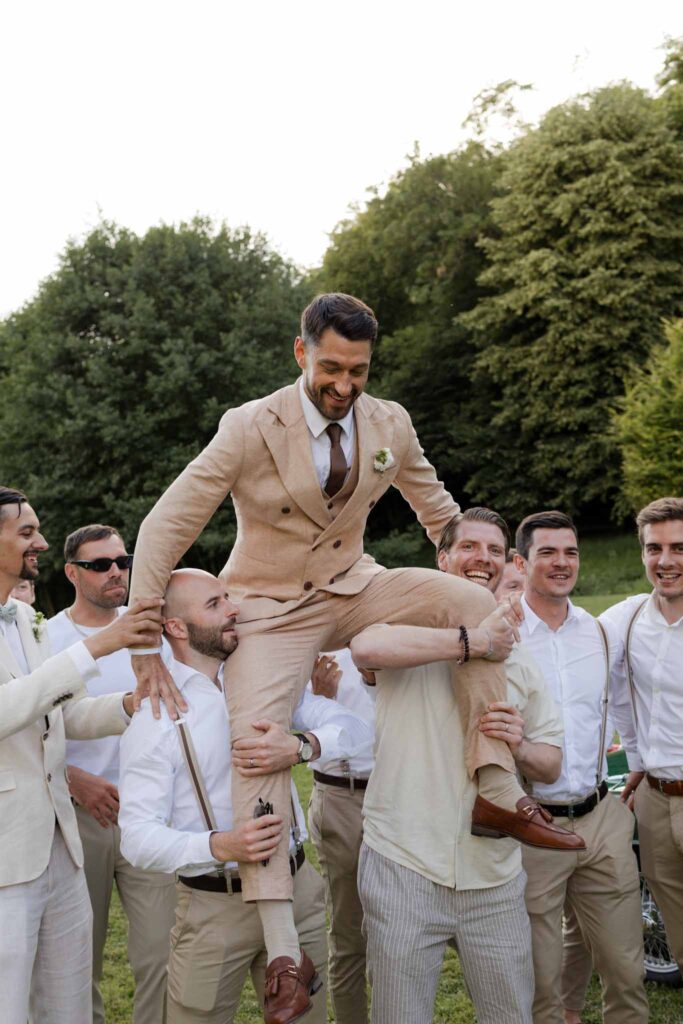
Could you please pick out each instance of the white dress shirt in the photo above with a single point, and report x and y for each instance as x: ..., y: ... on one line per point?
x: 99, y: 757
x: 352, y: 694
x: 655, y: 744
x: 320, y: 439
x: 162, y: 828
x: 572, y: 660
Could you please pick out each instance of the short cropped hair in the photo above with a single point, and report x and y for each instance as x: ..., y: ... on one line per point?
x: 552, y: 520
x: 345, y: 314
x: 478, y: 514
x: 95, y: 531
x: 660, y: 511
x: 9, y: 496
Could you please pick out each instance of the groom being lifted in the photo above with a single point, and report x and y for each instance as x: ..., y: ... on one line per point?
x: 304, y: 466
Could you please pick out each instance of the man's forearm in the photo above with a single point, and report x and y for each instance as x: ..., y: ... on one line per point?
x: 409, y: 646
x: 538, y: 762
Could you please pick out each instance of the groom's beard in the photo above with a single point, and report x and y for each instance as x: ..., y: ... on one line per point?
x: 213, y: 641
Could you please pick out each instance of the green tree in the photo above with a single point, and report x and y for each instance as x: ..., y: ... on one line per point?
x: 585, y: 263
x: 117, y: 373
x: 412, y: 254
x: 649, y: 427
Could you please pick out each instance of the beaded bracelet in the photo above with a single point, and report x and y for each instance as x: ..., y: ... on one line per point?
x: 465, y: 641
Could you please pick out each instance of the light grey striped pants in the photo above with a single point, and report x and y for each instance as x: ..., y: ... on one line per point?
x: 408, y: 922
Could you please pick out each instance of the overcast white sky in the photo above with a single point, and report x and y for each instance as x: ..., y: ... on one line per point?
x: 274, y: 114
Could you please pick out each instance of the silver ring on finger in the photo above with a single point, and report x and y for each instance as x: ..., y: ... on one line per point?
x: 251, y: 762
x: 507, y: 726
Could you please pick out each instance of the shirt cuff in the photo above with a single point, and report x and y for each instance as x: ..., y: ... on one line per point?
x: 84, y: 661
x: 329, y: 737
x: 144, y: 650
x: 198, y: 850
x: 635, y: 763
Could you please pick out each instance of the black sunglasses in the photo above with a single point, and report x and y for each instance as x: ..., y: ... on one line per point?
x: 104, y: 564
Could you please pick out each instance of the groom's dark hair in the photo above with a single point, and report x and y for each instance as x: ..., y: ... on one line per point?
x: 8, y: 496
x: 345, y: 314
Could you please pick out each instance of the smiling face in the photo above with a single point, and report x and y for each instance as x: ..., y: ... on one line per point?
x: 663, y: 558
x: 101, y: 589
x: 552, y: 565
x: 21, y: 543
x: 477, y: 554
x: 335, y: 372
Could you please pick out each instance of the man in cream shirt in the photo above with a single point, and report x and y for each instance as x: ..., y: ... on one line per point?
x: 45, y: 916
x: 424, y: 880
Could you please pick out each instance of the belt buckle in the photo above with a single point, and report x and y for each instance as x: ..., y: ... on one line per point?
x: 660, y: 786
x: 570, y: 810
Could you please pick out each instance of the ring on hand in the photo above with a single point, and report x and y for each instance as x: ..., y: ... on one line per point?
x: 251, y: 762
x: 507, y: 726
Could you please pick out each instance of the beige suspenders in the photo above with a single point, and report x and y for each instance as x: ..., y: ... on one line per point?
x: 627, y: 658
x: 197, y: 780
x: 605, y: 705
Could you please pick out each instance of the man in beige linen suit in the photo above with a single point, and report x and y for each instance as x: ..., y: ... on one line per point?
x: 45, y: 916
x: 304, y: 466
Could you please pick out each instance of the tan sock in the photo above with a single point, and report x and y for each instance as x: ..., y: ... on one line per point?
x: 279, y: 931
x: 500, y: 787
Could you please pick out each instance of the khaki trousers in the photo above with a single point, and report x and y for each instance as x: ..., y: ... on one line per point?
x: 660, y: 831
x: 45, y: 945
x: 148, y: 899
x: 268, y: 671
x: 335, y: 821
x: 217, y: 941
x: 603, y: 888
x: 577, y: 966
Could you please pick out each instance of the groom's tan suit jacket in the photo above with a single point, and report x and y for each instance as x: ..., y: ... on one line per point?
x: 37, y: 712
x: 292, y: 541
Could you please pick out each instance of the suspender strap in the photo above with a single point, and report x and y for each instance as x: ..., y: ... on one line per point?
x: 197, y: 780
x: 605, y: 705
x: 627, y: 658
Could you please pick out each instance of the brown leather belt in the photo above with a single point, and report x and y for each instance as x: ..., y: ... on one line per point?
x: 578, y: 810
x: 668, y: 788
x: 218, y: 883
x: 344, y: 782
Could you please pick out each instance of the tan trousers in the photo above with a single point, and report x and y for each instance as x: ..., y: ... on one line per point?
x: 268, y: 671
x: 148, y: 899
x: 660, y: 831
x: 217, y: 941
x: 603, y: 887
x: 335, y: 821
x: 577, y: 965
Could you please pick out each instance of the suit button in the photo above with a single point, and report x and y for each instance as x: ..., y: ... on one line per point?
x: 45, y: 735
x: 330, y: 504
x: 49, y: 776
x: 286, y: 510
x: 337, y: 544
x: 371, y: 504
x: 308, y: 585
x: 332, y: 580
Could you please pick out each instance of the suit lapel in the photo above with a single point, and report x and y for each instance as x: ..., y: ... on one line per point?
x: 284, y: 430
x: 8, y: 662
x: 32, y: 652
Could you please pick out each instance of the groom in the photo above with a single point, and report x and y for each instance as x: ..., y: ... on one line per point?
x: 304, y: 466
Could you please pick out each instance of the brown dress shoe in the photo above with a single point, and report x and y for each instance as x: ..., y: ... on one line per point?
x: 530, y: 824
x: 288, y: 989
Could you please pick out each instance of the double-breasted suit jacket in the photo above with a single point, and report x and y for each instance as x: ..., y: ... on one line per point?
x: 37, y: 712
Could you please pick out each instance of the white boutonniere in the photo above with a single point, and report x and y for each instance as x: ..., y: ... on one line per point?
x: 38, y: 626
x: 383, y: 460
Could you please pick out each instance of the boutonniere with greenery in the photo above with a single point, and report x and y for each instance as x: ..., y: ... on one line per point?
x: 38, y: 626
x: 383, y: 460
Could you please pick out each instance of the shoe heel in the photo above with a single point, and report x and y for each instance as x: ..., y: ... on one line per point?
x: 487, y: 833
x: 316, y: 985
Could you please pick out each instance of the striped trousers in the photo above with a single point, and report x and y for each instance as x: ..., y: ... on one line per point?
x: 409, y: 920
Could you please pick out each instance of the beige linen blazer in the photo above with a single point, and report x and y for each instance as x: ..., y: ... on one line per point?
x: 289, y: 543
x: 37, y: 711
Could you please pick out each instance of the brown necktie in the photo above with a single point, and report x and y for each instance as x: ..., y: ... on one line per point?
x: 338, y: 467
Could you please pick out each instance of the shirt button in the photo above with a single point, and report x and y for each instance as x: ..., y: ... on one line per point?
x: 337, y: 544
x: 308, y: 585
x: 330, y: 504
x: 45, y: 735
x: 286, y: 510
x: 49, y: 776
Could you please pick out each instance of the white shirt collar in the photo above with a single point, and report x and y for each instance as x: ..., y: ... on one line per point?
x: 532, y: 620
x: 183, y: 673
x: 652, y: 613
x: 315, y: 421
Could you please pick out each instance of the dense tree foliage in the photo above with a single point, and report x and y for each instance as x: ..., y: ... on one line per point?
x: 117, y: 373
x: 586, y: 262
x: 649, y: 427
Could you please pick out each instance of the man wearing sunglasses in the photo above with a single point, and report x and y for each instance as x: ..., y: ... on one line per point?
x: 98, y: 567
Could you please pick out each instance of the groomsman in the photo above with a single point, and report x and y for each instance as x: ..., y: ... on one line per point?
x: 98, y: 567
x: 45, y: 915
x: 649, y: 669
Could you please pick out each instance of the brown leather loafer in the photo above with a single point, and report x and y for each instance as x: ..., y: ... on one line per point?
x: 530, y: 824
x: 288, y: 989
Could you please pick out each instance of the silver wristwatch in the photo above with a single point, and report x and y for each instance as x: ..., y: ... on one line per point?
x: 305, y: 751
